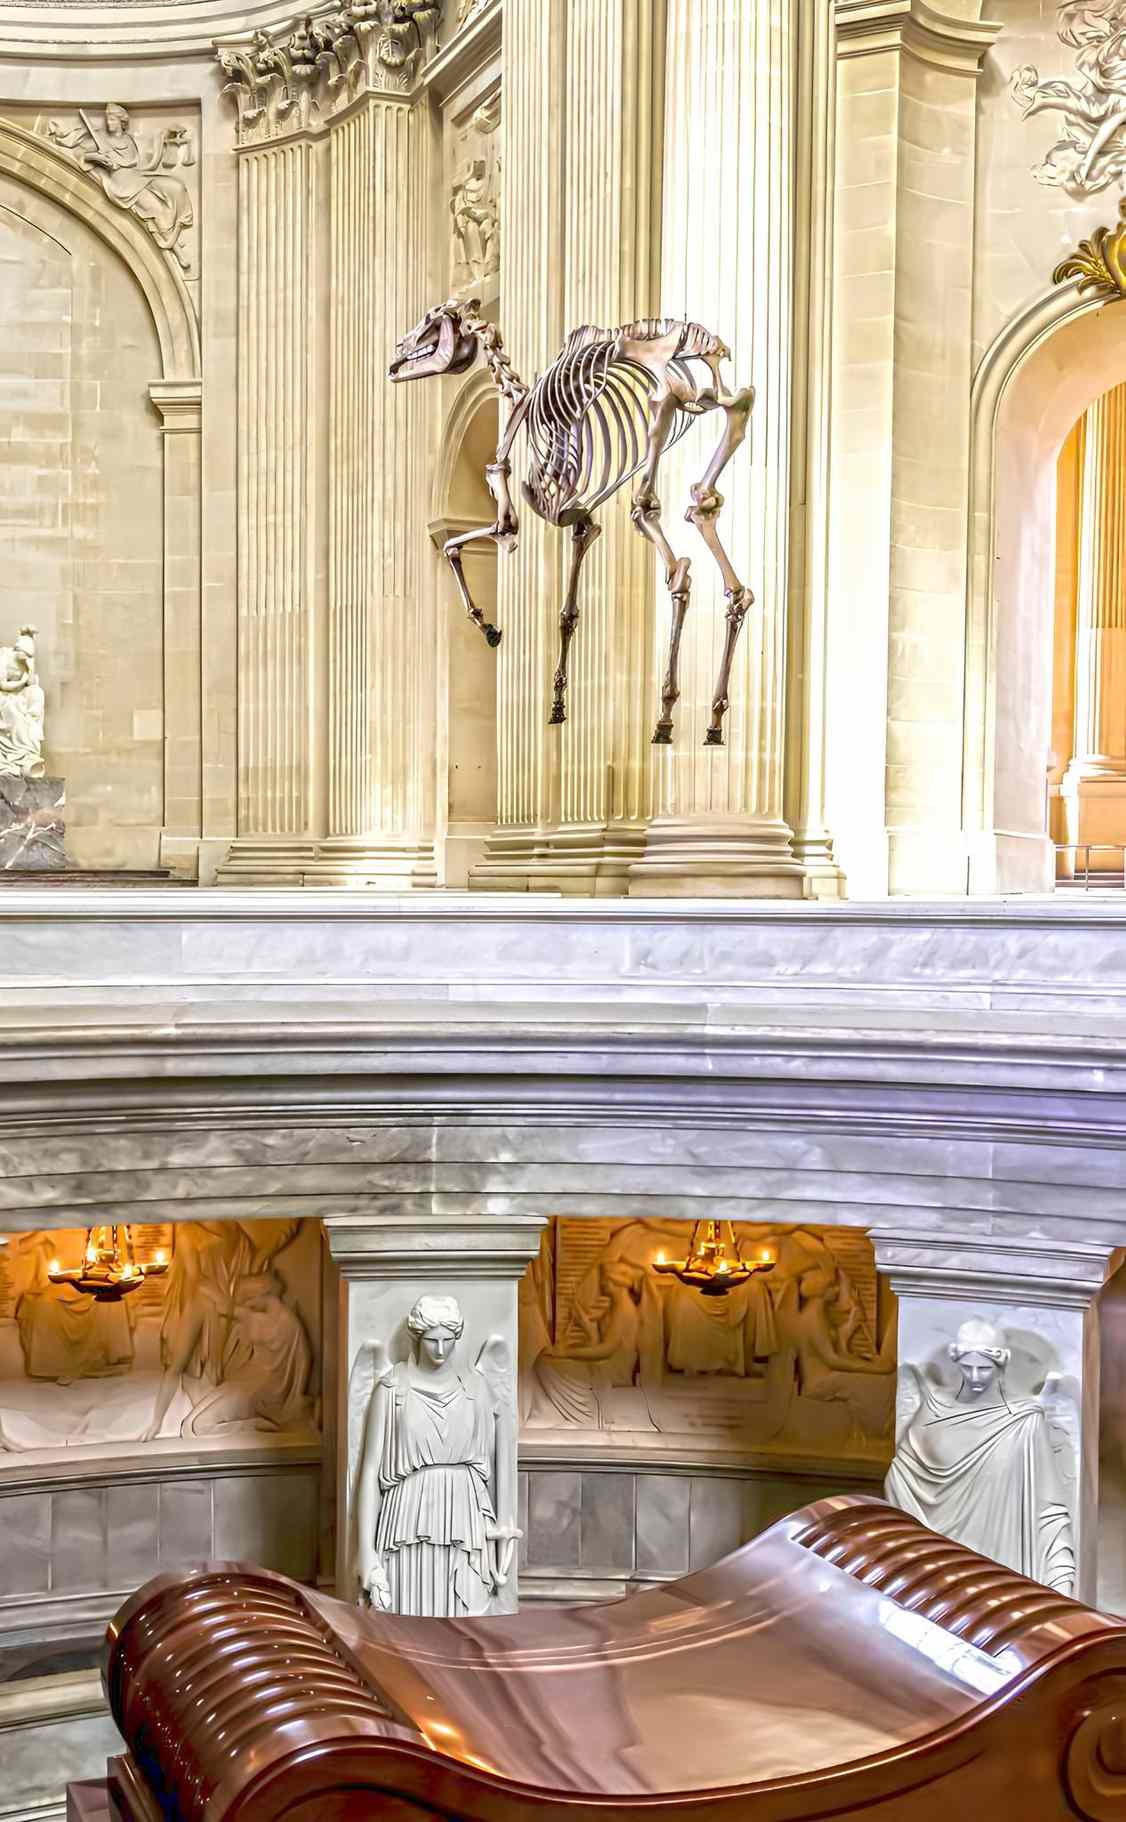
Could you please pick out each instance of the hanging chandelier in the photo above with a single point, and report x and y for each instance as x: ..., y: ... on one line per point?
x: 713, y: 1266
x: 109, y: 1270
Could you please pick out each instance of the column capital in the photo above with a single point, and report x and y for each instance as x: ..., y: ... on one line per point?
x: 998, y: 1271
x: 297, y: 78
x: 443, y: 1246
x: 949, y: 38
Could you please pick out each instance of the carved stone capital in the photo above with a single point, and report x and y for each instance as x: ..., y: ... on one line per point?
x: 973, y: 1266
x: 298, y: 78
x: 951, y: 41
x: 443, y: 1246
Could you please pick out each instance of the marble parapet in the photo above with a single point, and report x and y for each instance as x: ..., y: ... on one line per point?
x: 932, y: 1072
x: 32, y: 829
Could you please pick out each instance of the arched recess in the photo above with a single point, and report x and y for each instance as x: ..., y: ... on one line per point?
x: 41, y: 166
x: 1036, y: 379
x: 176, y: 395
x: 461, y: 500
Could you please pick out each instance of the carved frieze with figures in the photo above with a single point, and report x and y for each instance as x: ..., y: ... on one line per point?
x: 222, y: 1343
x: 797, y: 1363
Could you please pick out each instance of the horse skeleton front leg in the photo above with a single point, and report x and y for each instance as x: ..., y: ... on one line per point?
x: 503, y: 531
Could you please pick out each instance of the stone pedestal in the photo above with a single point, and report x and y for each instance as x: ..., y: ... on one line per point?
x: 32, y: 829
x: 386, y: 1262
x: 1043, y: 1299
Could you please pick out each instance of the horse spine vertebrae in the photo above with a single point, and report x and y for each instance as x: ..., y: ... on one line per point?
x: 606, y: 410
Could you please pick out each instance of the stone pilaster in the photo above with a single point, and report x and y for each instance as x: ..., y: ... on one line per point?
x: 1043, y: 1298
x: 336, y: 641
x: 903, y: 263
x: 1094, y: 786
x: 180, y: 404
x: 278, y: 519
x: 385, y: 1263
x: 727, y: 256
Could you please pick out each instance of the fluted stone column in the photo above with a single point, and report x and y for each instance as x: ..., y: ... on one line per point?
x: 727, y: 253
x: 574, y: 799
x: 337, y: 716
x: 1094, y: 786
x: 1044, y: 1299
x: 385, y: 1263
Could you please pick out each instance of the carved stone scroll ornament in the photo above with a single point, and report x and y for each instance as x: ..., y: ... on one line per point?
x: 1099, y: 264
x: 605, y: 410
x: 136, y: 174
x: 285, y: 82
x: 435, y: 1504
x: 1090, y: 152
x: 986, y: 1469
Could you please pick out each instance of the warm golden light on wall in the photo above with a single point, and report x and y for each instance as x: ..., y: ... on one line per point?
x: 109, y: 1270
x: 713, y: 1265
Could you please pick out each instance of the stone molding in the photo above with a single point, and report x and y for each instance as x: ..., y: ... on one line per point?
x: 411, y: 1246
x: 51, y: 1698
x: 947, y: 41
x: 1054, y: 1275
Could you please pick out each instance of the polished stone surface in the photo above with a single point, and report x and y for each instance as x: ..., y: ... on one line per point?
x: 32, y: 825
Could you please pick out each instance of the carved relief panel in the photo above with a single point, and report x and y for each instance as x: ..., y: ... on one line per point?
x: 474, y: 151
x: 797, y: 1364
x: 224, y: 1342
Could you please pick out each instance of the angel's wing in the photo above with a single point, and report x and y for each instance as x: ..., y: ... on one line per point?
x: 372, y: 1364
x: 908, y: 1396
x: 494, y: 1363
x: 1061, y: 1412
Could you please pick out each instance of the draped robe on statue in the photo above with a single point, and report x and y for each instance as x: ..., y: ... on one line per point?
x: 986, y: 1476
x: 434, y: 1495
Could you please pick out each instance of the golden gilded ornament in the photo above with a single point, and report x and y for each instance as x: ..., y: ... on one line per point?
x: 1099, y: 264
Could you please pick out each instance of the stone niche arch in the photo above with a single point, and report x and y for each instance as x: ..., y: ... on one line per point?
x: 1035, y: 381
x: 57, y: 189
x: 460, y: 500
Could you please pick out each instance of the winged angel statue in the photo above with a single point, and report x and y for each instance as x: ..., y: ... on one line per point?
x: 1090, y: 153
x: 432, y: 1456
x: 992, y: 1471
x: 605, y: 410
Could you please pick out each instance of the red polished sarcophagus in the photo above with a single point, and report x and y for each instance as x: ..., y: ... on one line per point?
x: 846, y: 1663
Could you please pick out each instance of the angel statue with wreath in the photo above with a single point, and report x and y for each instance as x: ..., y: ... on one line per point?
x: 435, y: 1491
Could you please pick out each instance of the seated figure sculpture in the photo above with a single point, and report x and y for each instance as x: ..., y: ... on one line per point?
x: 981, y: 1467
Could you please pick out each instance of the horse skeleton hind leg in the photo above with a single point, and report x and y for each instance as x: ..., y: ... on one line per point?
x: 503, y: 531
x: 645, y: 511
x: 703, y: 513
x: 583, y: 534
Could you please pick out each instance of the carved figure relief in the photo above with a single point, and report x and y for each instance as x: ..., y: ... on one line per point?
x: 1090, y: 151
x: 789, y: 1363
x: 468, y: 10
x: 435, y: 1503
x: 137, y: 176
x: 475, y: 201
x: 218, y: 1346
x: 987, y: 1469
x: 21, y: 709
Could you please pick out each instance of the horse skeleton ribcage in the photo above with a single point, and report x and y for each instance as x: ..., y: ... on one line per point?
x: 587, y: 423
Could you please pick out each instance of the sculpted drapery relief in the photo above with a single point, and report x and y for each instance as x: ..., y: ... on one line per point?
x: 137, y: 173
x: 435, y: 1501
x: 990, y: 1470
x: 1089, y: 153
x: 792, y: 1363
x: 217, y: 1346
x: 21, y: 709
